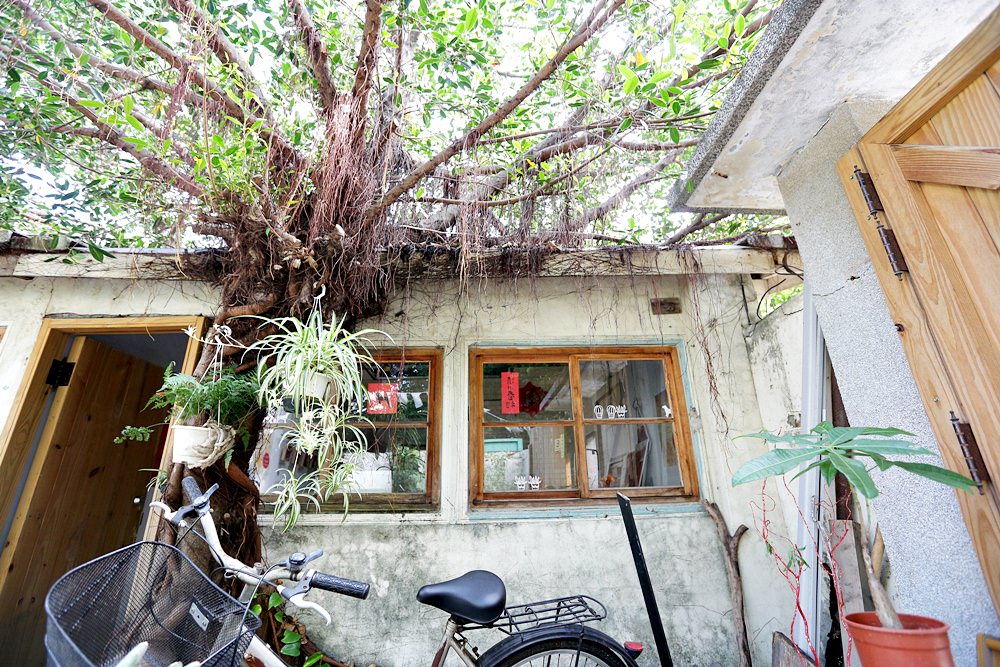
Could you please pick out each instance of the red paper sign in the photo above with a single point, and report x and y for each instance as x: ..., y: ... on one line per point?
x: 510, y: 396
x: 383, y: 398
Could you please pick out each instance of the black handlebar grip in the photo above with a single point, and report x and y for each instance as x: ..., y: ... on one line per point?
x: 328, y: 582
x: 191, y: 488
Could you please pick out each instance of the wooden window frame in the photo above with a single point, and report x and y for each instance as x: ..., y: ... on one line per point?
x: 572, y: 355
x: 406, y: 502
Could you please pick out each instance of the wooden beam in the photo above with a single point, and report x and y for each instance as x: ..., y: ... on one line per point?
x: 968, y: 166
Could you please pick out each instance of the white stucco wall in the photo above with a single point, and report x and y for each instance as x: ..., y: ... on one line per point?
x: 540, y: 553
x: 543, y: 553
x: 934, y: 571
x: 24, y: 302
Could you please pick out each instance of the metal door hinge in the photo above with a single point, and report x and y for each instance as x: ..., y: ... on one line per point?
x: 59, y: 373
x: 970, y: 450
x: 888, y: 237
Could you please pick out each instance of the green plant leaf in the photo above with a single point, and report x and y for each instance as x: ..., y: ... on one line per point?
x: 275, y: 600
x: 293, y: 650
x: 775, y: 462
x: 313, y: 659
x: 855, y: 472
x: 938, y: 474
x: 290, y: 637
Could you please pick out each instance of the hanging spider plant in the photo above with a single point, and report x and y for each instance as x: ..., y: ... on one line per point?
x: 290, y: 360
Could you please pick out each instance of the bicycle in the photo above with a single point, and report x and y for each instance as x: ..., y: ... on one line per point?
x: 155, y: 595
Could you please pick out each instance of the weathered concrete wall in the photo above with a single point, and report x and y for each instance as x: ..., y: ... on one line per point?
x: 24, y: 302
x: 775, y: 348
x: 544, y: 553
x: 934, y: 570
x: 540, y: 553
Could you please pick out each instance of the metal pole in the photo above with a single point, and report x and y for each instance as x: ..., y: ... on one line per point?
x: 659, y: 637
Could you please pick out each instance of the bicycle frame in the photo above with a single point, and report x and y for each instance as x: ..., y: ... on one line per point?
x: 453, y: 641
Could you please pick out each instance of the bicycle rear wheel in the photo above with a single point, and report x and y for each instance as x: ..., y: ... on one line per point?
x: 555, y: 652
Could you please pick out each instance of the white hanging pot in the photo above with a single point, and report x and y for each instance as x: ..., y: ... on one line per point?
x: 189, y: 442
x: 317, y: 385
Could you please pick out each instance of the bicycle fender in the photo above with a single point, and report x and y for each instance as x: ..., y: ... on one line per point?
x: 539, y: 635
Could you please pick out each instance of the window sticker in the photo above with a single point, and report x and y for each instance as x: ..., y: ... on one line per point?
x: 383, y: 398
x: 510, y: 393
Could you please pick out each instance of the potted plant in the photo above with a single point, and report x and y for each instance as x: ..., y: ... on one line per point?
x: 310, y: 361
x: 884, y: 638
x: 313, y: 369
x: 407, y: 469
x: 208, y: 415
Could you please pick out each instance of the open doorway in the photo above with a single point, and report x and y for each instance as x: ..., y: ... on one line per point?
x: 78, y: 494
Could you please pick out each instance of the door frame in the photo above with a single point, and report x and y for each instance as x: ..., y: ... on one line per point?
x: 23, y: 423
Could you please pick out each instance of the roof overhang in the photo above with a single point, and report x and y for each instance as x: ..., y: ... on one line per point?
x: 130, y: 264
x: 814, y: 56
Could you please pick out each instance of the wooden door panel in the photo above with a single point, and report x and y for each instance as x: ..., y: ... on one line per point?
x: 981, y: 512
x: 955, y: 319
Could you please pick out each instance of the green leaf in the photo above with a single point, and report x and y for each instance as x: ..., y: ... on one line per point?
x: 775, y: 462
x: 256, y: 609
x: 471, y: 17
x: 127, y: 104
x: 938, y: 474
x: 855, y: 472
x: 631, y: 79
x: 313, y: 659
x: 275, y: 600
x: 134, y: 123
x: 739, y: 25
x: 675, y: 134
x: 91, y: 104
x: 886, y: 447
x: 293, y: 650
x: 290, y: 637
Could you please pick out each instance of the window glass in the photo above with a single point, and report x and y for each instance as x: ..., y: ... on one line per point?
x: 631, y: 455
x: 526, y: 392
x: 397, y: 391
x: 394, y: 460
x: 529, y: 458
x: 624, y: 389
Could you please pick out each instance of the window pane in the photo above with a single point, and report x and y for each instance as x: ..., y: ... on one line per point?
x: 397, y: 391
x: 395, y: 461
x: 614, y: 389
x: 529, y: 458
x: 630, y: 455
x: 526, y: 392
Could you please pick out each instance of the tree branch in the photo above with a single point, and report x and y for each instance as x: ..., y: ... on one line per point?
x: 620, y: 197
x: 598, y: 17
x: 110, y: 135
x: 318, y: 57
x: 223, y: 49
x: 701, y: 221
x: 365, y: 73
x: 180, y: 63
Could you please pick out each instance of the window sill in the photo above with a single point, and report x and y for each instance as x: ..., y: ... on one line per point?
x: 499, y: 510
x: 374, y: 503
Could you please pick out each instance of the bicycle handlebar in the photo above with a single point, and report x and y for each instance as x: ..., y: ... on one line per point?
x: 310, y: 578
x: 335, y: 584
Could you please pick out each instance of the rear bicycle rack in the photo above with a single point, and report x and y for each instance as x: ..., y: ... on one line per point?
x: 571, y: 610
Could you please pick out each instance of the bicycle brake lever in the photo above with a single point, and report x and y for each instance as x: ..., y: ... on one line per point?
x: 300, y: 601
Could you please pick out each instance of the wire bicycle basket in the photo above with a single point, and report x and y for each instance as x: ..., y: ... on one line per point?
x: 150, y: 592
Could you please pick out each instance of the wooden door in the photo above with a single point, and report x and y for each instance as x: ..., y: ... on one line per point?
x: 934, y: 165
x: 78, y: 502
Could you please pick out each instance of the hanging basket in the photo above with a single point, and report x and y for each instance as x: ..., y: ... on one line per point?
x: 189, y: 442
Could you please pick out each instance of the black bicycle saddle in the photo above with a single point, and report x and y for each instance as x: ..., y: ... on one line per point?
x: 478, y: 596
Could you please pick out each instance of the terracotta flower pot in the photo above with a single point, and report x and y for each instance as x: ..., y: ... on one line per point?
x: 922, y: 641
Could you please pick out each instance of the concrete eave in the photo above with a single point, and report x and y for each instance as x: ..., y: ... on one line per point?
x: 813, y: 57
x: 599, y: 261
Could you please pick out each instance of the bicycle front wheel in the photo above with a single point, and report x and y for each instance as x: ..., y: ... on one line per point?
x: 559, y: 652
